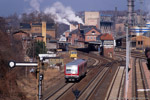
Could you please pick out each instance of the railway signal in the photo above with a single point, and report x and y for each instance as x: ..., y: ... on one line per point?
x: 38, y: 66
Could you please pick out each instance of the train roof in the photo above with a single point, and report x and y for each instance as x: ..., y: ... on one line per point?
x: 76, y: 62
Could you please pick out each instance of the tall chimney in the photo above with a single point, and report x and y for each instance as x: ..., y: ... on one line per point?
x: 130, y: 20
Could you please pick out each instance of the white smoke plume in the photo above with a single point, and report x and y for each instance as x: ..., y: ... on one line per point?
x: 63, y: 14
x: 35, y: 4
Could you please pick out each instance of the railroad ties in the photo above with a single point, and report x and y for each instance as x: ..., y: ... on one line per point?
x: 140, y: 88
x: 116, y: 86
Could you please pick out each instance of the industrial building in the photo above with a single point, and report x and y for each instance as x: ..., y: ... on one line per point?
x: 92, y: 19
x: 44, y: 30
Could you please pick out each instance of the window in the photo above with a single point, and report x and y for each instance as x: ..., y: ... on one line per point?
x: 93, y: 32
x: 141, y: 42
x: 138, y: 42
x: 87, y: 37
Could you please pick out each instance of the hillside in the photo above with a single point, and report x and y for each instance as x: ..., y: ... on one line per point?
x: 8, y: 87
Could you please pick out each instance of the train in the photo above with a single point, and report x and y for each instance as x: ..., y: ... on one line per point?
x: 73, y: 54
x: 75, y: 70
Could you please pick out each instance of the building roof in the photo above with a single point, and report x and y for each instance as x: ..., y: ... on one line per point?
x: 84, y: 29
x: 25, y: 26
x: 106, y: 36
x: 90, y: 28
x: 28, y: 26
x: 36, y: 24
x: 50, y: 26
x: 147, y: 34
x: 75, y: 62
x: 20, y: 31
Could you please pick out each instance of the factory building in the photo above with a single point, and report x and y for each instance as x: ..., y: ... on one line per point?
x: 44, y: 30
x: 106, y: 23
x: 92, y: 19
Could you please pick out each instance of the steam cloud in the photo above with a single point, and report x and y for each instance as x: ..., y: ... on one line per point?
x: 63, y: 14
x: 35, y: 4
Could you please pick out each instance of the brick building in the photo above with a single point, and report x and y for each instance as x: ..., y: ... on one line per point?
x: 83, y: 34
x: 44, y: 30
x: 20, y: 35
x: 107, y: 45
x: 91, y: 34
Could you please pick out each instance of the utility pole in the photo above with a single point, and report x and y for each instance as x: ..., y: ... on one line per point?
x: 127, y: 60
x: 130, y: 23
x: 141, y: 22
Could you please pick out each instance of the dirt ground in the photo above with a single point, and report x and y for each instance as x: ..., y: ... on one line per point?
x: 28, y: 84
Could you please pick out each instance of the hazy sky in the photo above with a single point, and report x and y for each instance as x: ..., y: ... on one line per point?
x: 8, y: 7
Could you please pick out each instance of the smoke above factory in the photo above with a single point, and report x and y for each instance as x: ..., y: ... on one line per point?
x: 34, y: 4
x: 62, y: 14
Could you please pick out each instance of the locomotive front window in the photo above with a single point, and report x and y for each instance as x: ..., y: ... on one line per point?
x: 71, y: 70
x: 74, y: 52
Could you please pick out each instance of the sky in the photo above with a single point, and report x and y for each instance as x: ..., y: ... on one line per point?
x: 8, y: 7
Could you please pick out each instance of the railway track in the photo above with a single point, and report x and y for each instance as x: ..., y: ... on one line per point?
x: 59, y: 92
x: 139, y: 84
x: 86, y: 85
x: 89, y: 84
x: 133, y: 54
x: 63, y: 88
x: 87, y: 91
x: 116, y: 87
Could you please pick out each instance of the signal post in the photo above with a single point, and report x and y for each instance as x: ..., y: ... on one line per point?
x: 39, y: 76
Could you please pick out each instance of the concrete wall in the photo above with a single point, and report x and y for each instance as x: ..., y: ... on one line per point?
x: 92, y: 18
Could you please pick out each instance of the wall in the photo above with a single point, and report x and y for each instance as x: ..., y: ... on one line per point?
x: 89, y: 36
x: 52, y: 33
x: 92, y: 18
x: 36, y: 29
x: 108, y: 52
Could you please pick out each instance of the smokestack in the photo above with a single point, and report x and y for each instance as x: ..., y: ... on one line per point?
x: 130, y: 20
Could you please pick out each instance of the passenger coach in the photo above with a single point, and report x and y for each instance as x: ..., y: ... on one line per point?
x: 75, y: 70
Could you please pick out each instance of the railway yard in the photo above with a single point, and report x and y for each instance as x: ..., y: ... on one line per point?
x: 105, y: 80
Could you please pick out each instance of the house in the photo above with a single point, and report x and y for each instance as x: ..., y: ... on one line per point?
x: 20, y: 35
x: 91, y: 34
x: 83, y: 34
